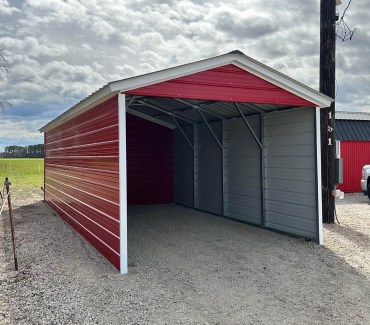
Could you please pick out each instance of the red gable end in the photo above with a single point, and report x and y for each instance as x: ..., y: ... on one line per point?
x: 226, y: 83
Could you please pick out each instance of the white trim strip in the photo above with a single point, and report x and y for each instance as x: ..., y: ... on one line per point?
x: 122, y: 183
x: 318, y: 164
x: 83, y: 168
x: 83, y: 145
x: 79, y: 157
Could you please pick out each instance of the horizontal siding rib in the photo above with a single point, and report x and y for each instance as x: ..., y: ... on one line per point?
x: 305, y: 175
x: 88, y: 150
x: 304, y: 199
x: 246, y: 191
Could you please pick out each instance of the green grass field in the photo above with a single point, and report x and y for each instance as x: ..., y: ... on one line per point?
x: 24, y: 173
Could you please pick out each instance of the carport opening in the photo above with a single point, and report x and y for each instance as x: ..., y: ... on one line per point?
x: 178, y: 151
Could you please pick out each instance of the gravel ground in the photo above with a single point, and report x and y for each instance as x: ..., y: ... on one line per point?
x: 186, y: 267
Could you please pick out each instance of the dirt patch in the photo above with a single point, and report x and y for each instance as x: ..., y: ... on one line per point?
x: 186, y: 267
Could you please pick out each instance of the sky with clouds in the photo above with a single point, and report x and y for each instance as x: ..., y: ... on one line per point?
x: 63, y: 50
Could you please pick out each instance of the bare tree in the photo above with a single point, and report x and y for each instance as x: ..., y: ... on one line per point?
x: 5, y: 67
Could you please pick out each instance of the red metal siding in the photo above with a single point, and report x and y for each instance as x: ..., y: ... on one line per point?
x: 226, y: 83
x: 149, y: 162
x: 81, y: 176
x: 355, y: 155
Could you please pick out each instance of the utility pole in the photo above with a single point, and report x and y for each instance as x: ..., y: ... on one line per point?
x: 327, y: 115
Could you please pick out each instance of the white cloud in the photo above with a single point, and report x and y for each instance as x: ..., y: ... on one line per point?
x: 64, y: 50
x: 16, y: 130
x: 6, y: 9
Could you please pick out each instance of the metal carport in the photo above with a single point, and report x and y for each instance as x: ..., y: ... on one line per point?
x: 245, y: 144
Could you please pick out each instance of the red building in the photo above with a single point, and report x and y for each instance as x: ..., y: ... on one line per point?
x: 353, y: 132
x: 226, y: 135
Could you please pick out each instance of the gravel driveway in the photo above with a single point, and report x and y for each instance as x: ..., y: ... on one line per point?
x: 186, y: 267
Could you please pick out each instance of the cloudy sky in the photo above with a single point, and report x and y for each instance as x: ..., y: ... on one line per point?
x: 63, y: 50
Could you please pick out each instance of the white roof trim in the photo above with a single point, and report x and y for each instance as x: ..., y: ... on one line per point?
x: 240, y: 60
x: 96, y: 98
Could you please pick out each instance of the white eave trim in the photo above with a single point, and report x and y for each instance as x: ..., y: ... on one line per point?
x: 84, y: 105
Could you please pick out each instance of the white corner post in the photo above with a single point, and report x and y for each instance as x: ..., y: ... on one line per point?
x: 122, y: 183
x: 318, y: 175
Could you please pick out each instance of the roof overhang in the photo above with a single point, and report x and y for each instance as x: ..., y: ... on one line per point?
x: 236, y: 58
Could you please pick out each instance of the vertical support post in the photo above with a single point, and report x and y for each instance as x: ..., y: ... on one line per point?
x: 44, y: 166
x: 262, y: 150
x: 224, y: 165
x: 195, y: 160
x: 122, y: 183
x: 327, y: 86
x: 318, y: 178
x: 7, y: 184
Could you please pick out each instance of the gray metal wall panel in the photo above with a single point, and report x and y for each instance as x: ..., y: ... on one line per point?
x: 242, y: 179
x: 183, y: 167
x: 209, y: 169
x: 290, y: 172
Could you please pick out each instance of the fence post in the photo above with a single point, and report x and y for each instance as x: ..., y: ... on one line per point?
x: 7, y: 184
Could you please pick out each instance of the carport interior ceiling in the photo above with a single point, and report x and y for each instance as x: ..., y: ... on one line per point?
x: 174, y: 111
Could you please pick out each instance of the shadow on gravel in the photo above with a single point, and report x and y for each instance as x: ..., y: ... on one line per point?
x: 186, y: 266
x: 355, y: 236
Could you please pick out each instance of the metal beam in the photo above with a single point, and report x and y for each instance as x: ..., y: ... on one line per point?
x: 183, y: 133
x: 248, y: 125
x: 256, y: 109
x: 131, y: 100
x: 209, y: 127
x: 199, y: 108
x: 141, y: 102
x: 150, y: 118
